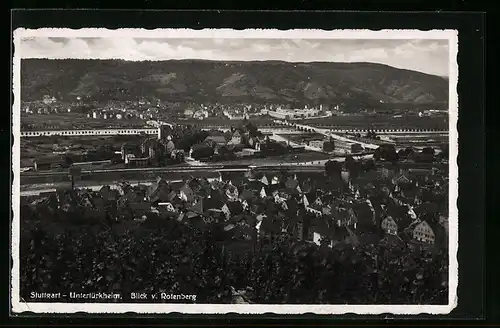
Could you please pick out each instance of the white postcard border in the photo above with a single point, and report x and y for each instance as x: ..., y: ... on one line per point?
x: 19, y: 306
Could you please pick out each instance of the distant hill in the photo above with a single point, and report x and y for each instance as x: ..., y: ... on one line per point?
x: 355, y: 84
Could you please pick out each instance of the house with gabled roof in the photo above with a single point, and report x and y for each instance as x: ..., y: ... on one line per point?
x: 262, y: 193
x: 231, y: 191
x: 389, y: 226
x: 315, y: 209
x: 214, y: 141
x: 264, y: 180
x: 321, y: 232
x: 186, y: 193
x: 275, y: 180
x: 401, y: 178
x: 345, y: 217
x: 236, y: 138
x: 428, y: 233
x: 195, y: 208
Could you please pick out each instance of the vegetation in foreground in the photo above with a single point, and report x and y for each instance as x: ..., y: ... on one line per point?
x: 77, y: 253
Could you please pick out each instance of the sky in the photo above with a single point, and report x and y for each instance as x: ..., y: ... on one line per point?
x: 424, y: 55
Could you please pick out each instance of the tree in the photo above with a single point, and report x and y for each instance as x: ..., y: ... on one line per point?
x: 445, y: 152
x: 202, y: 151
x: 402, y: 153
x: 352, y: 166
x: 386, y: 152
x: 392, y: 156
x: 333, y: 168
x: 68, y: 160
x: 349, y: 161
x: 251, y: 128
x: 428, y: 151
x: 369, y: 165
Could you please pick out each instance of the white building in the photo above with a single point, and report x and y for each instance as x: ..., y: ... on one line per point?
x: 424, y: 233
x: 294, y: 114
x: 236, y: 115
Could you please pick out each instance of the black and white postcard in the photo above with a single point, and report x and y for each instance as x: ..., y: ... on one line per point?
x: 235, y: 171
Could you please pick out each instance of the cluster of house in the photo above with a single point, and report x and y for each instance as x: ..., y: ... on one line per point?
x: 240, y: 144
x: 300, y: 113
x: 199, y: 114
x: 150, y: 152
x: 432, y: 112
x: 45, y: 107
x: 236, y: 114
x: 245, y: 111
x: 232, y: 112
x: 407, y: 207
x: 113, y: 113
